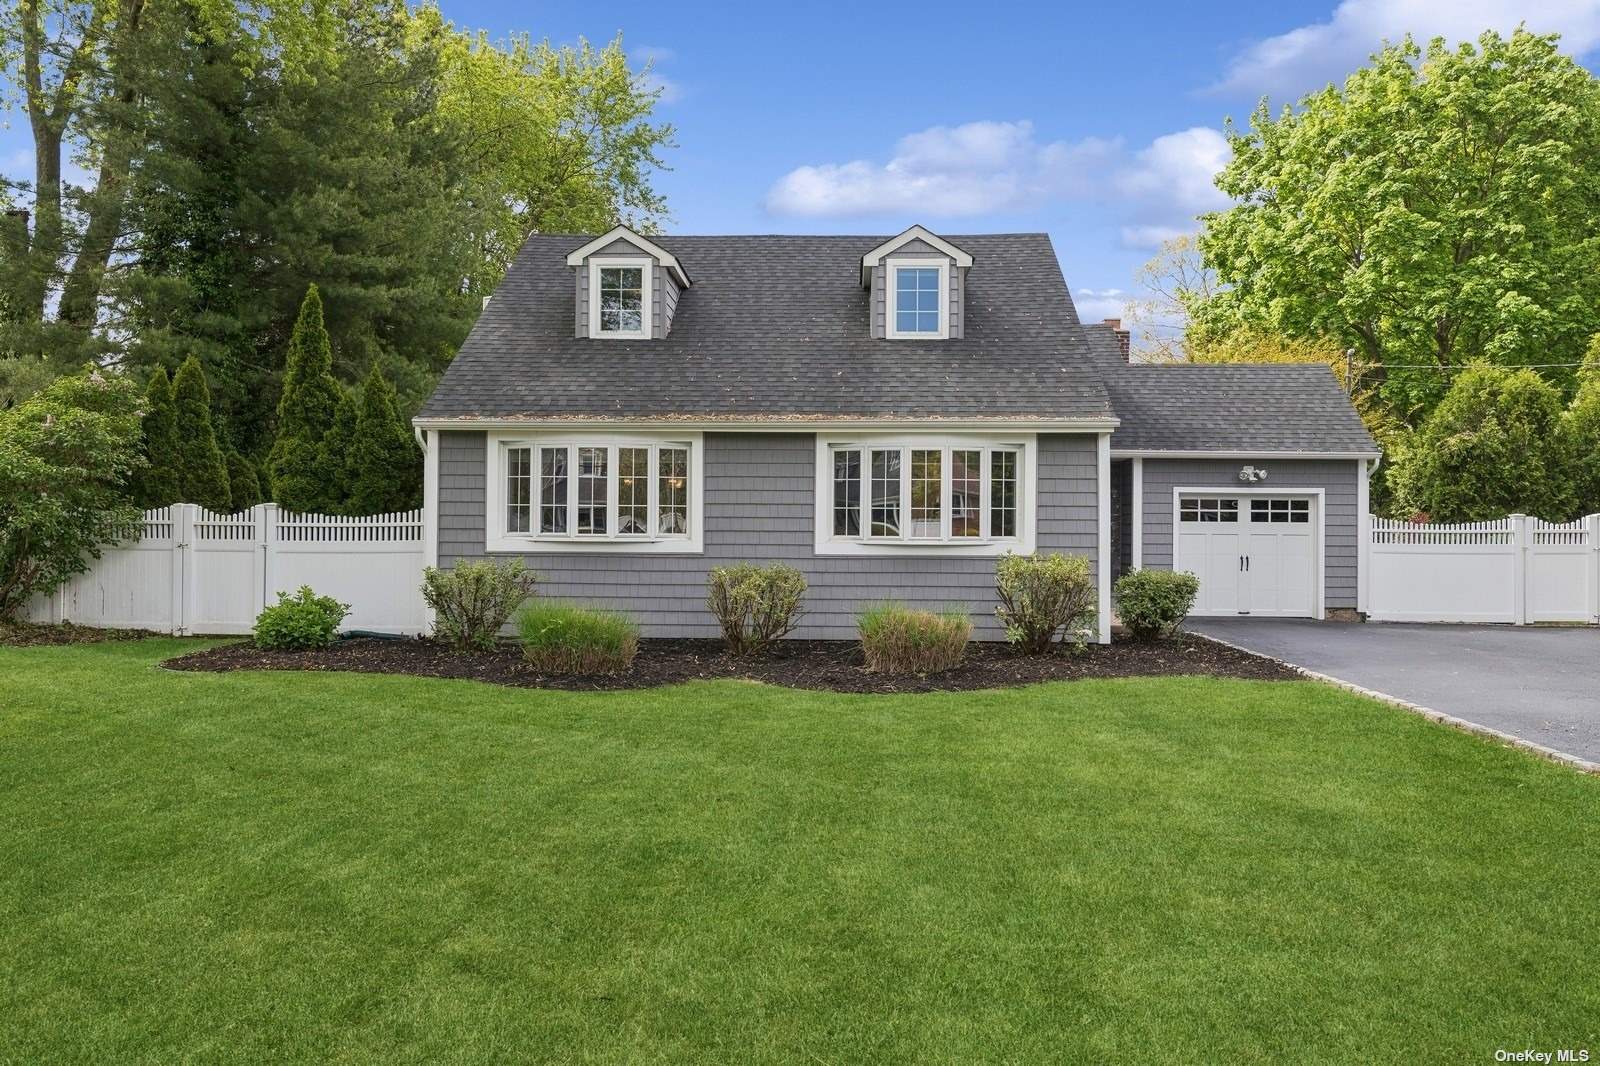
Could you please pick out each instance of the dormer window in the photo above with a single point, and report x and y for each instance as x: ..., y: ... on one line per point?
x: 621, y: 307
x: 918, y: 291
x: 628, y: 287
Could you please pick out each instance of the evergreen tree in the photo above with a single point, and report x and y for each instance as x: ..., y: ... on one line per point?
x: 156, y: 484
x: 243, y: 484
x: 335, y: 455
x: 202, y: 470
x: 385, y: 464
x: 305, y: 413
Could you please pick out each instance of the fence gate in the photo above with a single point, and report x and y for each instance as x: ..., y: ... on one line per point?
x: 1517, y: 570
x: 193, y: 571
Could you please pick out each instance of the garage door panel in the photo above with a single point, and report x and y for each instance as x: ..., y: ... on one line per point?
x: 1253, y: 554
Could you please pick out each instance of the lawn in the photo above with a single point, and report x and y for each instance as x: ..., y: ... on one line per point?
x: 316, y: 867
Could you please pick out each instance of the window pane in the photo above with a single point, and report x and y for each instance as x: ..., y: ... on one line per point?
x: 621, y: 299
x: 672, y: 493
x: 916, y: 300
x: 966, y: 493
x: 847, y: 494
x: 886, y: 493
x: 591, y: 490
x: 552, y: 490
x: 633, y: 491
x: 519, y: 490
x: 927, y: 487
x: 1003, y: 494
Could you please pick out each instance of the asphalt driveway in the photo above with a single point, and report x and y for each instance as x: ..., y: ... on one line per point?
x: 1538, y: 683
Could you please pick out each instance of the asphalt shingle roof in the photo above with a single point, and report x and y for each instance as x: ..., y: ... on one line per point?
x: 1260, y: 408
x: 777, y: 327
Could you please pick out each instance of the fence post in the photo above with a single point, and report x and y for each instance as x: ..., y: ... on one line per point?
x: 183, y: 515
x: 1522, y: 541
x: 267, y: 525
x: 1593, y: 541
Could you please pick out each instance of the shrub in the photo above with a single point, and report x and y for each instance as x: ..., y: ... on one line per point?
x: 566, y: 638
x: 897, y: 639
x: 1042, y: 595
x: 755, y: 605
x: 1153, y: 603
x: 471, y: 602
x: 304, y: 620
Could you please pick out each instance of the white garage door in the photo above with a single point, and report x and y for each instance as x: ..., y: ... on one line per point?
x: 1253, y: 554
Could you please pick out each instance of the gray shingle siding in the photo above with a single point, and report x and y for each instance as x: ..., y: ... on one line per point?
x: 759, y: 503
x: 1338, y: 477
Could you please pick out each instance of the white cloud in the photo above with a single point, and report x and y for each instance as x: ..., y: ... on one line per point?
x: 651, y: 79
x: 1308, y: 57
x: 1096, y: 305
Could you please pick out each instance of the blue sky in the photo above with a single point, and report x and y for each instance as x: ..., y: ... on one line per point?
x: 1099, y: 124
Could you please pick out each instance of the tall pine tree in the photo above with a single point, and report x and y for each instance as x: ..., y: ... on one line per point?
x: 335, y: 454
x: 385, y: 464
x: 202, y: 470
x: 305, y: 413
x: 243, y: 484
x: 156, y: 484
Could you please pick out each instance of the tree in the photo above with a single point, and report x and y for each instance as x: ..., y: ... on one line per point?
x: 334, y: 456
x: 385, y: 464
x: 156, y: 484
x: 66, y: 458
x: 1175, y: 280
x: 1492, y: 447
x: 1580, y: 427
x: 305, y: 412
x: 1441, y: 208
x: 244, y: 486
x: 202, y: 468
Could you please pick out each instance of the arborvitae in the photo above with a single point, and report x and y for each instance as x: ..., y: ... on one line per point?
x: 385, y: 464
x: 156, y: 485
x: 243, y: 484
x: 305, y: 412
x: 335, y: 456
x: 202, y: 470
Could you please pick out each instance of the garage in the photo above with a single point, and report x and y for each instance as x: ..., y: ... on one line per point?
x: 1255, y: 552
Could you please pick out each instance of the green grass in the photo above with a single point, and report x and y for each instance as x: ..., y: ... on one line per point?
x: 569, y: 638
x: 316, y: 868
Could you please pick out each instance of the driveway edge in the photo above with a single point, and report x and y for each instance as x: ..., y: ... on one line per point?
x: 1575, y: 762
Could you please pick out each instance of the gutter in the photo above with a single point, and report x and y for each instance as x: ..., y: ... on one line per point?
x: 764, y: 425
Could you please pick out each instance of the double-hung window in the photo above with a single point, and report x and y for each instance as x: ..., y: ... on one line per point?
x: 929, y: 494
x: 918, y: 292
x: 594, y: 492
x: 619, y: 298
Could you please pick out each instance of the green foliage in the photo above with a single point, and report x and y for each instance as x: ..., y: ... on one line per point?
x: 1580, y: 433
x: 334, y: 458
x: 1441, y: 207
x: 755, y: 605
x: 896, y: 639
x: 1492, y: 447
x: 244, y: 485
x: 1043, y: 595
x: 156, y: 482
x: 304, y: 620
x: 67, y: 456
x: 565, y: 638
x: 1153, y: 603
x: 305, y: 414
x: 473, y: 601
x: 384, y: 465
x: 202, y: 468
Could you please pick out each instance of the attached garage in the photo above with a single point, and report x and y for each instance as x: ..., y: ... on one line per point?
x: 1254, y: 553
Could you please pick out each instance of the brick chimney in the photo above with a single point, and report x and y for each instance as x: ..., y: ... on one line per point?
x: 1124, y: 337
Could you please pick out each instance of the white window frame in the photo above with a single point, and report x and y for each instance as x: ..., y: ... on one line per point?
x: 892, y: 292
x: 1025, y: 444
x: 646, y: 266
x: 498, y: 539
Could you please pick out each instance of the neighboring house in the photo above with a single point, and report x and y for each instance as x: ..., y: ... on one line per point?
x: 887, y: 415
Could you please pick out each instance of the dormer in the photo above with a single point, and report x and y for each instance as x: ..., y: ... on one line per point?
x: 919, y: 282
x: 627, y: 287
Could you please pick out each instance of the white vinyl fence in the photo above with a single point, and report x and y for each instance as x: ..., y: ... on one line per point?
x: 1518, y: 570
x: 193, y: 571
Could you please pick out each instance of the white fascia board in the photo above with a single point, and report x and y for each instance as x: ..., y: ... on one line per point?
x: 644, y: 244
x: 1232, y: 453
x: 769, y: 425
x: 915, y: 233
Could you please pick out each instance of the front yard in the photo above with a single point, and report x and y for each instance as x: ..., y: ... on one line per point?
x: 278, y: 866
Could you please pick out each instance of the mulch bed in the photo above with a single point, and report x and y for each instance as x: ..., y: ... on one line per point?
x: 28, y: 635
x: 828, y: 665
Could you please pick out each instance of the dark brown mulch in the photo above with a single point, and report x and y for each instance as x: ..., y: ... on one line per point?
x: 28, y: 635
x: 830, y: 665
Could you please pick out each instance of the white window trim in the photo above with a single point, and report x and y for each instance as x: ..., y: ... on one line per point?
x: 646, y: 265
x: 1027, y: 481
x: 498, y: 539
x: 891, y: 293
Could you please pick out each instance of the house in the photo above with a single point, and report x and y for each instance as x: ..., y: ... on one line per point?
x: 887, y: 415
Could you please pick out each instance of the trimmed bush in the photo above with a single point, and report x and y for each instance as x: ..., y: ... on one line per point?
x: 755, y: 605
x: 567, y: 638
x: 473, y: 601
x: 304, y: 620
x: 897, y: 639
x: 1042, y: 595
x: 1153, y: 603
